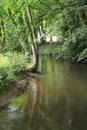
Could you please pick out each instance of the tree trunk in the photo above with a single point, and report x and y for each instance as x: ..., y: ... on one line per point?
x: 35, y: 58
x: 34, y: 44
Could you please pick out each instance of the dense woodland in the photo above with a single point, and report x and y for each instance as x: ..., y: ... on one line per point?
x: 25, y: 26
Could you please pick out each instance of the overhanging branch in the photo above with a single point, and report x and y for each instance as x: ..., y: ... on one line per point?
x: 14, y: 13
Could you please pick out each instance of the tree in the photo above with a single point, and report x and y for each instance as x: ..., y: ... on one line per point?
x: 43, y: 18
x: 33, y: 38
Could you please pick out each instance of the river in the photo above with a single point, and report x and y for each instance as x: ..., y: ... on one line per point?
x: 57, y: 101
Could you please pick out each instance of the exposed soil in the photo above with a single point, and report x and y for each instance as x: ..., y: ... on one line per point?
x: 20, y: 87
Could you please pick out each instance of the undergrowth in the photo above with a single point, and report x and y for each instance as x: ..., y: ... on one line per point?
x: 73, y: 51
x: 11, y: 65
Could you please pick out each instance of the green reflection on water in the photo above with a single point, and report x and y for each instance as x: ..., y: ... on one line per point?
x: 57, y: 102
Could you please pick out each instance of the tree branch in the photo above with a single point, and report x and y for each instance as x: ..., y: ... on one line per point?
x: 14, y: 13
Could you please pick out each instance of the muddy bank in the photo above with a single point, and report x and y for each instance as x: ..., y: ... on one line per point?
x: 20, y: 87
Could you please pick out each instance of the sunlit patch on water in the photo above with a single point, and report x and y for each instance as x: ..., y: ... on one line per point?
x: 11, y: 109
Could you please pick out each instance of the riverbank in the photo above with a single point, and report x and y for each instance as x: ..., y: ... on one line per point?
x: 14, y: 76
x: 53, y: 49
x: 13, y: 68
x: 65, y: 51
x: 19, y: 87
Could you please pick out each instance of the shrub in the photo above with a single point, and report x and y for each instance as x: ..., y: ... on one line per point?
x: 11, y: 64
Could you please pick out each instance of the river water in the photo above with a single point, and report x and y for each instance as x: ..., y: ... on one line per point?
x: 58, y: 101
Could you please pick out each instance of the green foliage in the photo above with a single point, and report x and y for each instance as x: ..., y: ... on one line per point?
x: 11, y: 65
x: 76, y: 42
x: 74, y: 49
x: 49, y: 49
x: 83, y: 56
x: 70, y: 18
x: 3, y: 80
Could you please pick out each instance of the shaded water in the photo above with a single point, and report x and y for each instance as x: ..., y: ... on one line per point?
x: 57, y: 102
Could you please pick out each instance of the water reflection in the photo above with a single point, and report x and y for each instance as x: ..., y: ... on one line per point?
x: 66, y: 97
x: 57, y: 102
